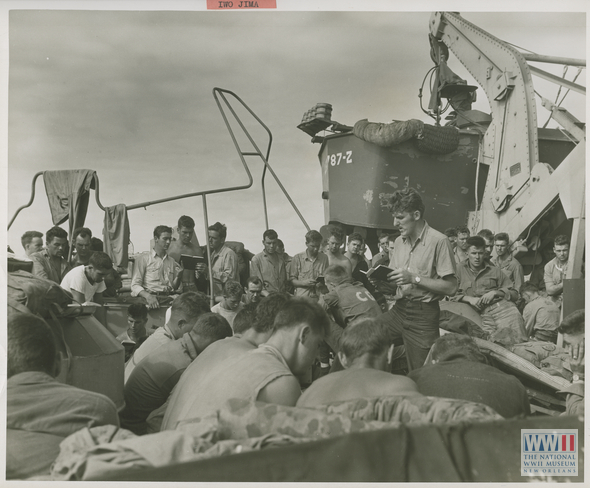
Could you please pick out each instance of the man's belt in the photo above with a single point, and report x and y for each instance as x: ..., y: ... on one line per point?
x: 160, y: 293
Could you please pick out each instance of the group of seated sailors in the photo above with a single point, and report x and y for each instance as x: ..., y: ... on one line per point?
x: 274, y: 336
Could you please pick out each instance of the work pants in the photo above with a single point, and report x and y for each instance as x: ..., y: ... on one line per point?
x: 417, y: 323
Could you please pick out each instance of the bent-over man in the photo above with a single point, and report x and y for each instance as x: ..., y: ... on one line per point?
x: 365, y: 352
x: 86, y: 283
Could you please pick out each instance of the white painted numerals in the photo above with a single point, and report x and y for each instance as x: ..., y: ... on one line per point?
x: 336, y: 159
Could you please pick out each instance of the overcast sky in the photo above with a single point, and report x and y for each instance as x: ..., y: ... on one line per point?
x: 129, y: 94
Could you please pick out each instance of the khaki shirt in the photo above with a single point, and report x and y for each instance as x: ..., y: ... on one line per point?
x: 430, y: 256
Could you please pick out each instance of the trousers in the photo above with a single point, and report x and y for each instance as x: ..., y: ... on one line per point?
x: 417, y: 323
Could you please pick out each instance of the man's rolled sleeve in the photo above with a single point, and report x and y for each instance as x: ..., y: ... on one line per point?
x: 138, y: 276
x: 445, y: 262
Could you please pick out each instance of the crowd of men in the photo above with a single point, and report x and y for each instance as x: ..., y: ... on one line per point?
x: 304, y: 330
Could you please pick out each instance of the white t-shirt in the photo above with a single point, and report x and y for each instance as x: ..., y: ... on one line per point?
x: 76, y: 280
x: 229, y: 315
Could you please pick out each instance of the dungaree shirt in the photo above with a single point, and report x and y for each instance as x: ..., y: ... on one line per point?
x: 430, y: 256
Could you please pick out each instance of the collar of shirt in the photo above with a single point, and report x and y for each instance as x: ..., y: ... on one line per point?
x: 154, y: 255
x: 419, y: 239
x: 486, y: 265
x: 30, y: 377
x: 216, y: 254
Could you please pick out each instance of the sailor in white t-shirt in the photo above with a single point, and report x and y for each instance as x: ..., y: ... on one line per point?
x: 86, y: 283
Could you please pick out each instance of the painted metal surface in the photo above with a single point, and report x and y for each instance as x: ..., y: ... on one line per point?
x: 359, y: 177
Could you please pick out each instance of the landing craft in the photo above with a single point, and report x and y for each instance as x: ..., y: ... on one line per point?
x: 500, y: 171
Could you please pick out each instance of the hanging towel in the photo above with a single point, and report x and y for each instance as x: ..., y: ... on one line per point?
x: 67, y: 193
x: 116, y: 234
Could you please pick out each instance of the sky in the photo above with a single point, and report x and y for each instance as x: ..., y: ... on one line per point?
x: 129, y: 95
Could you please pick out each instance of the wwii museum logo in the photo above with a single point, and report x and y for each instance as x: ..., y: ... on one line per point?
x: 549, y: 452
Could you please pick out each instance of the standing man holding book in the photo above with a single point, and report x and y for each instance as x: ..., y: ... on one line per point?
x: 424, y: 272
x: 187, y: 244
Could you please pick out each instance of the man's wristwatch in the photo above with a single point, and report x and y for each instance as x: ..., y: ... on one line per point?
x: 417, y: 279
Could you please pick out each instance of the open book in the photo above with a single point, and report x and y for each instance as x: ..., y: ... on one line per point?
x: 378, y: 273
x: 190, y: 262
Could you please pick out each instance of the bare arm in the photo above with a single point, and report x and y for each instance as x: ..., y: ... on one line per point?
x: 284, y: 390
x: 78, y: 297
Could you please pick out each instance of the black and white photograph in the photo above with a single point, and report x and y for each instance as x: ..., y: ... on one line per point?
x: 294, y: 241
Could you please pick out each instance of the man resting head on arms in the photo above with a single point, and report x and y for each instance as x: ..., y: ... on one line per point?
x: 365, y: 352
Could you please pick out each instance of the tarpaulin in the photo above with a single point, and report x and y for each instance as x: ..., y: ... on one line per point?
x: 116, y: 234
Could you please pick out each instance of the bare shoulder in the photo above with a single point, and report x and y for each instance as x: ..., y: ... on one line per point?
x: 284, y: 390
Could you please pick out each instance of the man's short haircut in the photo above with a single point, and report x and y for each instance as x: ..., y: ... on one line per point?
x: 299, y: 310
x: 365, y: 337
x: 270, y: 233
x: 391, y: 237
x: 451, y: 232
x: 486, y: 234
x: 463, y: 229
x: 255, y: 280
x: 191, y: 304
x: 407, y: 200
x: 313, y: 236
x: 137, y: 311
x: 449, y: 346
x: 55, y: 232
x: 100, y: 260
x: 574, y: 323
x: 28, y: 236
x: 476, y: 241
x: 96, y: 244
x: 245, y: 318
x: 232, y: 289
x: 186, y: 221
x: 220, y: 229
x: 280, y: 244
x: 355, y: 236
x: 212, y: 326
x: 267, y: 310
x: 83, y: 232
x: 160, y: 229
x: 336, y: 232
x: 31, y: 345
x: 528, y: 287
x: 336, y: 274
x: 561, y: 240
x: 502, y: 236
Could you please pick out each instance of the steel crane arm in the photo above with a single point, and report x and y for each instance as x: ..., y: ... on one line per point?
x: 510, y: 143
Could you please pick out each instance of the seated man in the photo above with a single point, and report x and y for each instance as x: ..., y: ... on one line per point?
x: 224, y: 261
x: 307, y: 266
x: 382, y: 257
x: 231, y: 302
x: 155, y: 273
x: 136, y: 334
x: 265, y: 374
x: 365, y: 352
x: 252, y: 290
x: 460, y: 370
x: 334, y: 249
x: 185, y: 311
x: 253, y: 326
x: 187, y: 244
x: 504, y: 260
x: 541, y: 315
x: 32, y: 242
x: 556, y: 269
x: 269, y: 266
x: 152, y: 380
x: 573, y: 329
x: 487, y: 289
x: 40, y: 411
x: 86, y: 283
x: 462, y: 246
x: 51, y: 262
x: 83, y: 247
